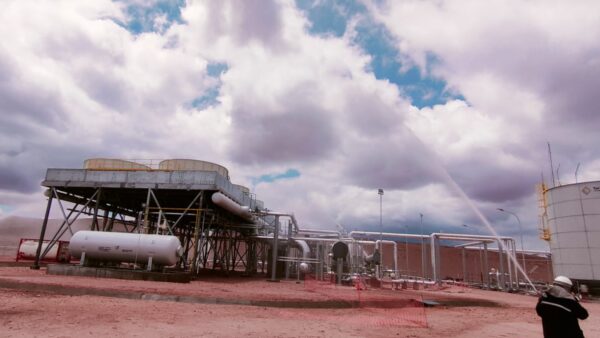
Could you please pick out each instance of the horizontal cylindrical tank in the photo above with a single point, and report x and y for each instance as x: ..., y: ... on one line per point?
x: 574, y: 222
x: 231, y: 206
x: 126, y: 247
x: 59, y: 252
x: 112, y: 164
x: 183, y: 164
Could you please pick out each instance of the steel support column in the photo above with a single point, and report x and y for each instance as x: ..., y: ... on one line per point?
x: 274, y: 249
x: 36, y: 264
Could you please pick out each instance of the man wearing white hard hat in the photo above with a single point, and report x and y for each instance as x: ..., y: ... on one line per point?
x: 560, y: 310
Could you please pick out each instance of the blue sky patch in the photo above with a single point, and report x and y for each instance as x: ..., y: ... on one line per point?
x: 207, y: 99
x: 210, y: 96
x: 215, y: 69
x: 270, y: 178
x: 6, y: 208
x: 330, y: 17
x: 143, y: 17
x: 423, y: 89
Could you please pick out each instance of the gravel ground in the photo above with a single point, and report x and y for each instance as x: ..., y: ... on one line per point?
x: 33, y: 304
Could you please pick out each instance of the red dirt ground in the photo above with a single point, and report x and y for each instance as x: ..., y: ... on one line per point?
x: 33, y: 304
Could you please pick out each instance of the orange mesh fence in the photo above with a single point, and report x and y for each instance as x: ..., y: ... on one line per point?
x: 392, y: 309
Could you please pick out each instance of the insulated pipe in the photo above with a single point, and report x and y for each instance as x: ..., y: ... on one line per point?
x: 509, y: 248
x: 466, y: 237
x: 305, y: 252
x: 466, y: 245
x: 501, y: 284
x: 354, y: 234
x: 435, y: 237
x: 317, y: 239
x: 303, y: 246
x: 232, y: 206
x: 378, y: 245
x: 433, y: 259
x: 313, y: 231
x: 485, y: 266
x: 287, y: 214
x: 274, y: 250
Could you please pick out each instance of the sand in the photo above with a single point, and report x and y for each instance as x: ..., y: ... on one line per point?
x: 33, y: 304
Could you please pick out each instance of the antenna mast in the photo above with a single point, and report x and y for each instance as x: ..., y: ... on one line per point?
x: 551, y: 165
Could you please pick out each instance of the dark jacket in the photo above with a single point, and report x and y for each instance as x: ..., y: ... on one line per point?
x: 560, y: 310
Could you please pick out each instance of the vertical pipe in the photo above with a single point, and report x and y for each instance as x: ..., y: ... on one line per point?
x: 515, y: 265
x: 481, y: 269
x: 433, y: 262
x: 422, y: 250
x: 486, y: 268
x: 340, y: 270
x: 438, y: 259
x: 146, y: 211
x: 275, y: 248
x: 321, y: 258
x: 287, y: 250
x: 396, y: 259
x: 509, y: 248
x: 406, y: 247
x: 36, y: 264
x: 464, y: 264
x: 501, y: 284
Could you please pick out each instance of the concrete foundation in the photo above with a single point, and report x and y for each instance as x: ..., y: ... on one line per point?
x: 76, y: 270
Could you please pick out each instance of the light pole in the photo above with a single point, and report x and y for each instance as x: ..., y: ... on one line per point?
x: 521, y: 233
x: 422, y: 249
x: 406, y: 250
x: 380, y: 192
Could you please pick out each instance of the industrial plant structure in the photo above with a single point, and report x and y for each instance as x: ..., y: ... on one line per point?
x: 187, y: 216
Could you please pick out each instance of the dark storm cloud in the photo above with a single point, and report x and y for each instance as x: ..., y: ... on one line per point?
x: 400, y: 161
x: 567, y: 80
x: 301, y: 133
x: 104, y: 87
x: 499, y: 185
x: 368, y: 114
x: 22, y: 101
x: 485, y: 176
x: 14, y: 179
x: 258, y: 19
x: 24, y: 172
x: 246, y: 20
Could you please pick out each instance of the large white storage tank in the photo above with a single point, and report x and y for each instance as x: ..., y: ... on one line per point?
x: 574, y: 223
x: 112, y: 164
x: 243, y: 189
x: 184, y: 164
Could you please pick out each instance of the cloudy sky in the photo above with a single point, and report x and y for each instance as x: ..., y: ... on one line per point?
x: 312, y: 104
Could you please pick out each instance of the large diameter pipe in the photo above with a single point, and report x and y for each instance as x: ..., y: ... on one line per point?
x: 126, y: 247
x: 303, y: 246
x: 378, y: 244
x: 435, y: 237
x: 230, y: 205
x: 305, y: 252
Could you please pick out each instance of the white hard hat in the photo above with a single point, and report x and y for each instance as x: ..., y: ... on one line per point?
x: 564, y: 281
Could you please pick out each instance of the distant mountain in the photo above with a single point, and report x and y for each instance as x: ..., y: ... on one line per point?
x: 13, y: 228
